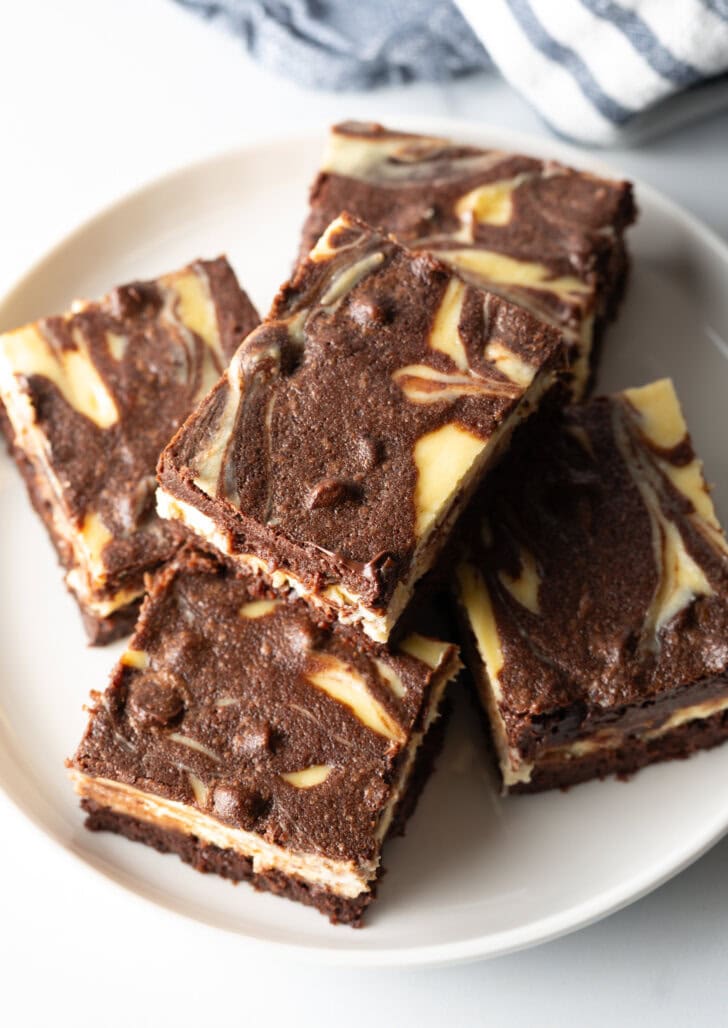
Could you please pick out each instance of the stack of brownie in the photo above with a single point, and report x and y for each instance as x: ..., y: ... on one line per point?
x: 411, y: 411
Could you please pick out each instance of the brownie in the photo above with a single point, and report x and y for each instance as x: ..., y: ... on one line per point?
x: 541, y: 234
x: 353, y: 426
x: 595, y: 595
x: 259, y: 742
x: 90, y: 399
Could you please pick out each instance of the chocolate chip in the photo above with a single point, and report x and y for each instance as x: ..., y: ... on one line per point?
x: 424, y: 268
x: 370, y: 451
x: 131, y: 300
x: 237, y: 805
x: 331, y: 492
x: 302, y: 634
x: 253, y: 739
x: 155, y: 699
x: 367, y: 310
x: 181, y: 648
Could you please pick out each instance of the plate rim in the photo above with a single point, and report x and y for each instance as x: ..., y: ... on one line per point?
x: 452, y: 952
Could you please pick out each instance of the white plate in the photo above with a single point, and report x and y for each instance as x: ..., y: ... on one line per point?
x: 475, y: 875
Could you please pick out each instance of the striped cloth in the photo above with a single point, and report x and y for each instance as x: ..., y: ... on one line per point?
x: 598, y: 71
x: 352, y: 44
x: 603, y: 72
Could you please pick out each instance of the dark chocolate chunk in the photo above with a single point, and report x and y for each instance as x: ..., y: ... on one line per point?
x: 331, y: 492
x: 237, y: 805
x: 155, y: 699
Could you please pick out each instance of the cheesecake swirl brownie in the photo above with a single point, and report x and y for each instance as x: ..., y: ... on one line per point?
x: 256, y: 742
x: 90, y: 399
x: 595, y: 595
x: 543, y: 235
x: 353, y: 425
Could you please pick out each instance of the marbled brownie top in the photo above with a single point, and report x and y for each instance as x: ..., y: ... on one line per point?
x: 348, y: 422
x: 597, y: 578
x: 239, y: 703
x: 541, y: 234
x: 95, y: 394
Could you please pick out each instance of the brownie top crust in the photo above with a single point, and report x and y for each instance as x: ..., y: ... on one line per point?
x: 94, y: 395
x: 237, y: 702
x: 535, y: 231
x: 346, y: 422
x: 597, y: 578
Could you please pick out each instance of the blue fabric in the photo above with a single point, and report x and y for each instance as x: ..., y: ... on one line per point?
x: 719, y: 7
x: 354, y: 44
x: 599, y: 71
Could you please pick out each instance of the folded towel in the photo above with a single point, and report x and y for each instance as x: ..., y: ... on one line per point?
x: 352, y: 44
x: 604, y: 72
x: 597, y: 71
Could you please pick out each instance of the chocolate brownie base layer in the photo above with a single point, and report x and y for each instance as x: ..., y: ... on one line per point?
x: 614, y: 293
x: 624, y: 760
x: 228, y: 864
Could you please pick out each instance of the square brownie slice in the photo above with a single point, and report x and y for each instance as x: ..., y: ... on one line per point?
x: 90, y: 399
x: 595, y: 595
x: 543, y: 235
x: 352, y: 427
x: 255, y: 742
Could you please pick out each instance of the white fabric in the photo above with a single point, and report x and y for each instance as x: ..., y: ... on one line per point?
x: 603, y: 72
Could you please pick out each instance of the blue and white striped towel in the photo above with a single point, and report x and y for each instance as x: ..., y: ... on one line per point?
x: 605, y: 72
x: 597, y: 71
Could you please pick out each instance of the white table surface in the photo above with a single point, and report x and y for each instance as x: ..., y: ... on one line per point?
x: 96, y: 97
